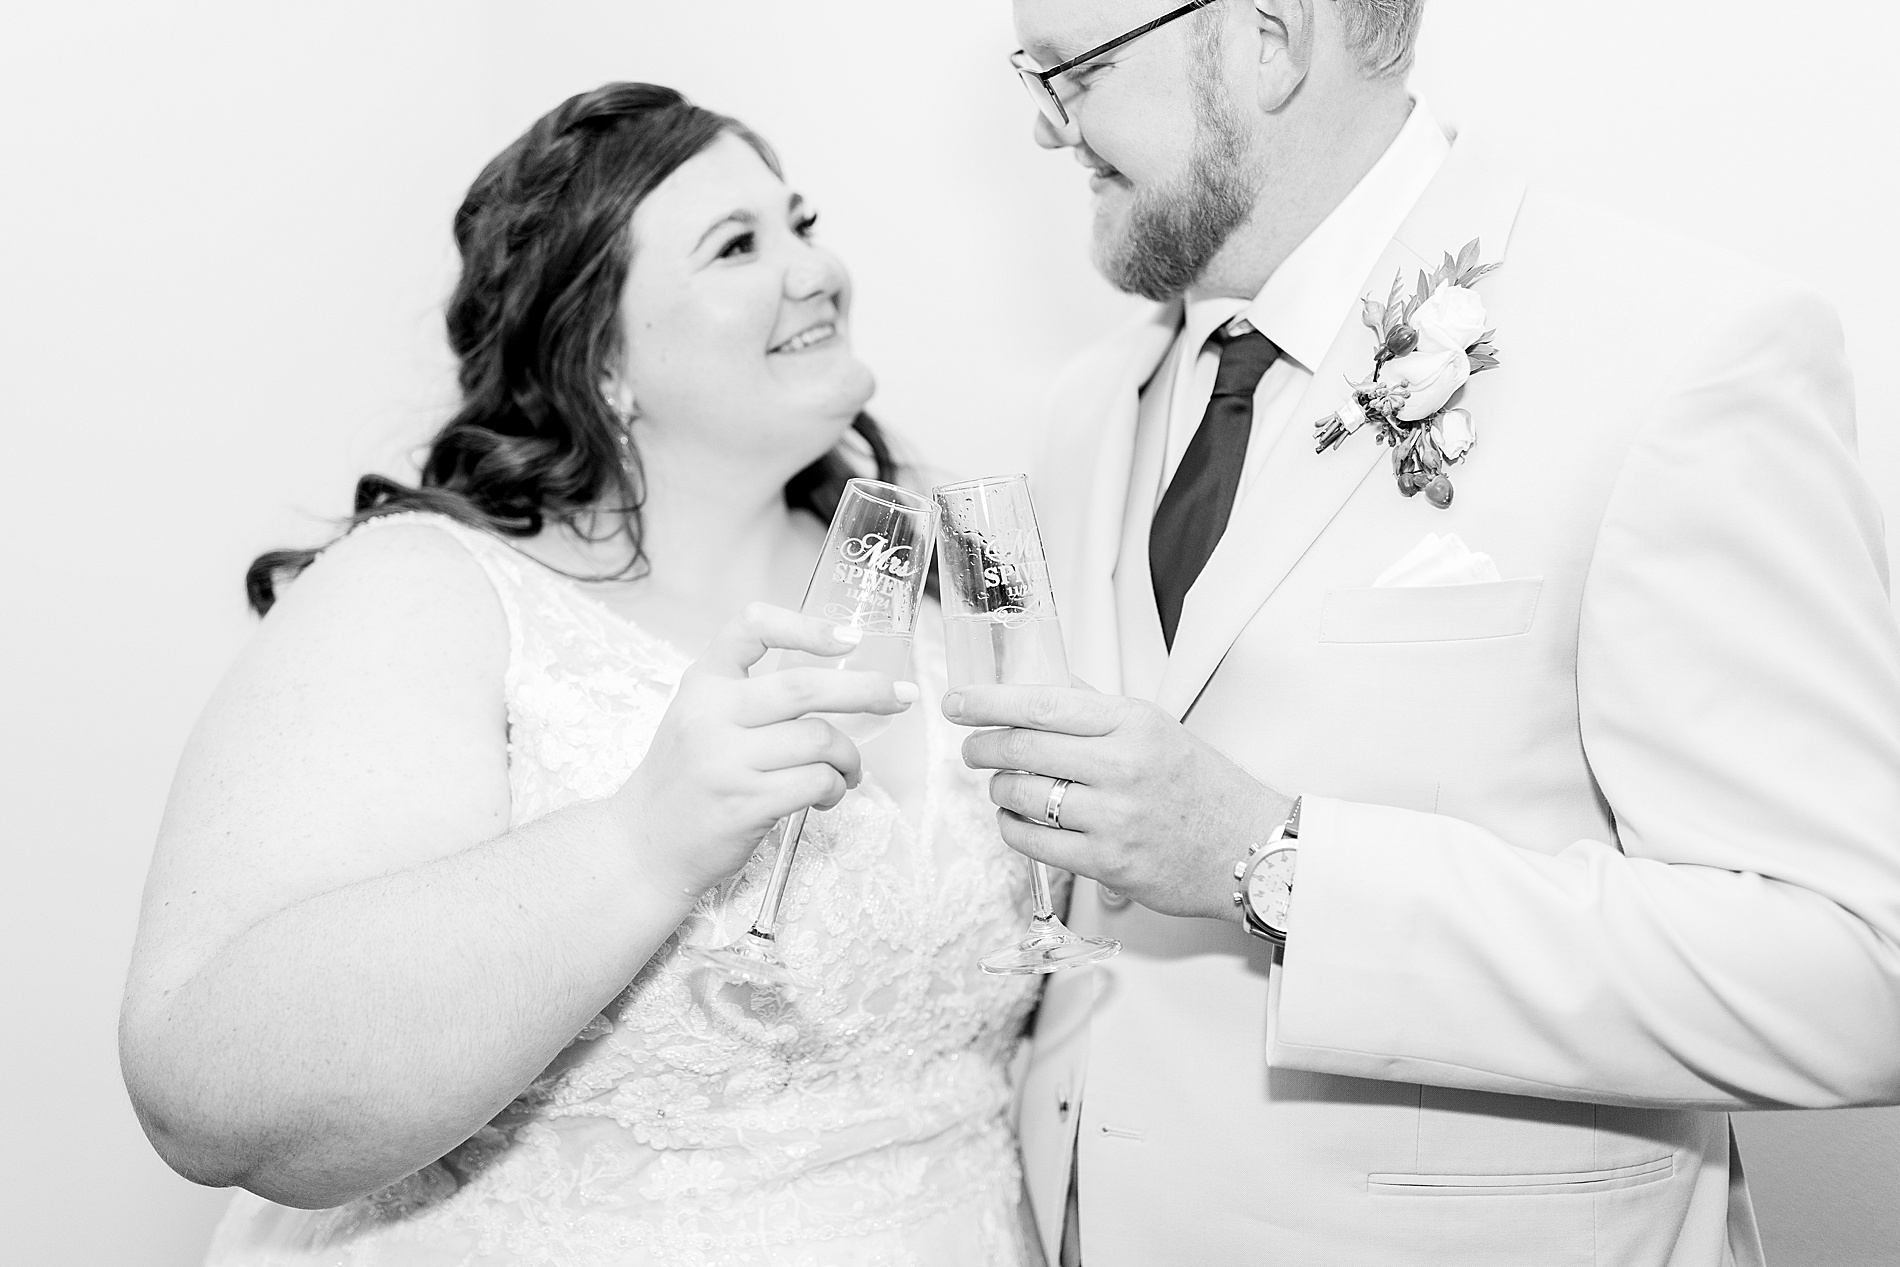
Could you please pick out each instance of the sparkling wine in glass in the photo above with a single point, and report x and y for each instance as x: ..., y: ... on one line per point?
x: 1000, y: 626
x: 870, y: 578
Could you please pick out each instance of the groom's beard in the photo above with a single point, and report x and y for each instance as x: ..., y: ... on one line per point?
x: 1174, y: 232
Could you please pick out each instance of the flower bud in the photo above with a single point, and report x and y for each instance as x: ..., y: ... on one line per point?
x: 1402, y: 339
x: 1454, y: 433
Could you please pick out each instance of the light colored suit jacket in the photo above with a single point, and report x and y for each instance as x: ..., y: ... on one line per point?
x: 1592, y: 855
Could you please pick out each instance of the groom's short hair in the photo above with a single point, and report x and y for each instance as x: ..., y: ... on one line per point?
x: 1382, y: 34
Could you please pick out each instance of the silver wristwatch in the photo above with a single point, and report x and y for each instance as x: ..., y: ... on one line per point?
x: 1265, y: 895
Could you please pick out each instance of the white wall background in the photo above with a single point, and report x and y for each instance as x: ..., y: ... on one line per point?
x: 223, y: 247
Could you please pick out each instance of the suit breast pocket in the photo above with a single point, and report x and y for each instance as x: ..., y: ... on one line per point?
x: 1431, y: 613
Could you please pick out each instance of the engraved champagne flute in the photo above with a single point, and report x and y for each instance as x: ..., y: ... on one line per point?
x: 871, y: 578
x: 1000, y: 626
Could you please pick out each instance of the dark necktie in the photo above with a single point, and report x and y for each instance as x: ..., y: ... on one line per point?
x: 1193, y: 512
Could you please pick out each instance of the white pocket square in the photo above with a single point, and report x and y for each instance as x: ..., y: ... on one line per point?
x: 1439, y: 561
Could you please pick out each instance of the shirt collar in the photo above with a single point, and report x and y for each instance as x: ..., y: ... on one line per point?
x: 1301, y: 305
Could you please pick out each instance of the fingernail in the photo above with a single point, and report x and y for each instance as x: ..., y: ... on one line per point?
x: 907, y: 692
x: 953, y: 705
x: 849, y: 634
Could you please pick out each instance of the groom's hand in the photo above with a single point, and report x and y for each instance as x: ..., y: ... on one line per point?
x: 1152, y: 811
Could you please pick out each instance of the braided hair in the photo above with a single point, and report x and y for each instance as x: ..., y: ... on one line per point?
x: 535, y: 323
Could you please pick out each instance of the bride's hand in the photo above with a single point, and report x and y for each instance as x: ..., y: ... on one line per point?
x: 734, y: 754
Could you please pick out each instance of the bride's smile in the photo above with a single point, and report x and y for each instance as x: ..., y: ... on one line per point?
x: 810, y: 337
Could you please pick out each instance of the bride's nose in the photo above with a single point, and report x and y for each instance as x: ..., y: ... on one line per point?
x: 813, y: 273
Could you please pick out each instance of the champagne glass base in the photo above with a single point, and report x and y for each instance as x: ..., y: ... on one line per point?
x: 752, y: 960
x: 1049, y: 948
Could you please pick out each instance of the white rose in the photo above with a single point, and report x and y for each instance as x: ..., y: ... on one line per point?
x: 1455, y: 433
x: 1451, y: 320
x: 1430, y: 377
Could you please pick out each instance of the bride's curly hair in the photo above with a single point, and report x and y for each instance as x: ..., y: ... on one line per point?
x: 535, y: 321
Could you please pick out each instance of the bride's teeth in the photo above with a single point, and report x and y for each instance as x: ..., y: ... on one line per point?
x: 806, y: 339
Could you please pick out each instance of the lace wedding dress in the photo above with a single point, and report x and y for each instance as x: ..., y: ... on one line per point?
x: 698, y: 1123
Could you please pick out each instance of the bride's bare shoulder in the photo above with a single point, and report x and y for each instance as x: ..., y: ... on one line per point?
x: 409, y: 575
x: 395, y: 616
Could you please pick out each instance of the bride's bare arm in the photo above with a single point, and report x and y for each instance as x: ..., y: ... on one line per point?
x: 346, y: 961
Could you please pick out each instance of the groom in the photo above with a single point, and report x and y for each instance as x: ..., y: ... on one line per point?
x: 1560, y: 770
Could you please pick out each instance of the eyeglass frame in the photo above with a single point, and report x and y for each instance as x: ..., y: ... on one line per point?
x: 1037, y: 80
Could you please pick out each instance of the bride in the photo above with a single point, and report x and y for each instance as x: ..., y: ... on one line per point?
x: 408, y: 967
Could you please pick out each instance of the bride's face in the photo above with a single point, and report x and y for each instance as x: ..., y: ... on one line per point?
x: 736, y: 320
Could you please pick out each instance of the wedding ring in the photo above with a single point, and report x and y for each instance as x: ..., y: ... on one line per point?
x: 1052, y: 809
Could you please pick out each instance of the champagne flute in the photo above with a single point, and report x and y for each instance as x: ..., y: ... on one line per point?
x: 1000, y: 627
x: 870, y: 578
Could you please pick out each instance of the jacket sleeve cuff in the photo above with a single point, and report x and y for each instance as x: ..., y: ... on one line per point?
x: 1348, y: 914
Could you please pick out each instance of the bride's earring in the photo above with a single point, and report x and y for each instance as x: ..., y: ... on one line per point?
x: 620, y: 405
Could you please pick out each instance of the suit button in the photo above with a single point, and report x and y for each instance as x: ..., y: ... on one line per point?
x: 1112, y: 900
x: 1062, y: 1103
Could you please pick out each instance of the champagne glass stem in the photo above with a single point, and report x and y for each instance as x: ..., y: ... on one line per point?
x: 1039, y: 886
x: 790, y: 832
x: 1040, y: 891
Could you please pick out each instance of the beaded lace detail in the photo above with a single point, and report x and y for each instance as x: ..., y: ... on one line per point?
x: 693, y: 1122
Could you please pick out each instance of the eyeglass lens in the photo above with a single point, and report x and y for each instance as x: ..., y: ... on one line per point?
x: 1045, y: 98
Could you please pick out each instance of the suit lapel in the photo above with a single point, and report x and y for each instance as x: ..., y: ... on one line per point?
x: 1144, y: 649
x: 1085, y: 532
x: 1299, y: 492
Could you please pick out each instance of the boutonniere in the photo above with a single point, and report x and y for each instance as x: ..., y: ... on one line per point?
x: 1429, y: 346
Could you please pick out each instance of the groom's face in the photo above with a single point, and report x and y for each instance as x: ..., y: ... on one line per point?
x: 1150, y: 123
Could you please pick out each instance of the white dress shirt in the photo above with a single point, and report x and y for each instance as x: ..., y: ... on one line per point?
x: 1301, y: 305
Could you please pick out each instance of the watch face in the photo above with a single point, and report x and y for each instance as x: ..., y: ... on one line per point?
x: 1270, y: 888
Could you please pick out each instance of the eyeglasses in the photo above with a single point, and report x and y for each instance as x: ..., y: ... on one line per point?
x: 1036, y: 80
